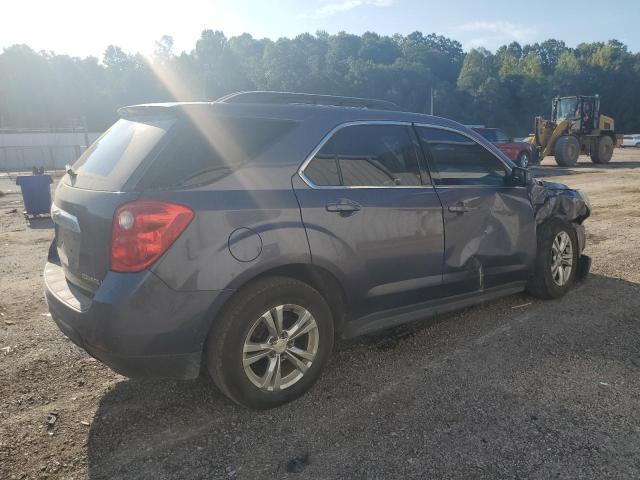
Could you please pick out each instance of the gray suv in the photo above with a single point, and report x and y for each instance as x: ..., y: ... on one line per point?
x: 240, y: 237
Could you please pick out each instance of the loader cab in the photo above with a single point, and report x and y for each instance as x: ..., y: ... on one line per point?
x: 582, y: 110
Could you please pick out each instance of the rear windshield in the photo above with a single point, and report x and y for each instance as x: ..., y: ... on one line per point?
x: 110, y: 161
x: 181, y: 151
x: 209, y: 148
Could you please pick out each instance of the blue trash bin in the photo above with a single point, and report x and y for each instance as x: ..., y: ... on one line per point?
x: 36, y: 193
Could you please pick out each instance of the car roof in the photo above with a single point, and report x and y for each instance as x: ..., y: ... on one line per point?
x: 319, y: 118
x: 292, y: 107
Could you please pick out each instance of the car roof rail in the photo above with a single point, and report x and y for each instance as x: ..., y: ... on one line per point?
x: 289, y: 98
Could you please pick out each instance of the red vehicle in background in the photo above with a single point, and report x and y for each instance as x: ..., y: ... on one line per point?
x: 521, y: 153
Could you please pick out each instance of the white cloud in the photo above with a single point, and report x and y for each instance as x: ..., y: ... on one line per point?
x: 492, y: 34
x: 331, y: 7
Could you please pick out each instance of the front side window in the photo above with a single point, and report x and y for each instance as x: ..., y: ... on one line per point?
x: 366, y: 156
x: 458, y: 160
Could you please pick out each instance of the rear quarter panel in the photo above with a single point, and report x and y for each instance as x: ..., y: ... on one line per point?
x: 201, y: 259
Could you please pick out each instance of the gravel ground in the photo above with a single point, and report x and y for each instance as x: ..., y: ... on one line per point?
x: 517, y: 388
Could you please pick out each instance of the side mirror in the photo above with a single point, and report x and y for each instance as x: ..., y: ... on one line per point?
x: 520, y: 177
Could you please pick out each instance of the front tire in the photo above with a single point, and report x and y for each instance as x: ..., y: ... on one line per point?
x: 270, y: 343
x: 556, y: 260
x: 567, y: 151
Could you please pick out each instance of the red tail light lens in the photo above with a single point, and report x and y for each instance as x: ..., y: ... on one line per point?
x: 143, y: 230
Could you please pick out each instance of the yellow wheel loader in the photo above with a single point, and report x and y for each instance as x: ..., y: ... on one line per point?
x: 576, y: 127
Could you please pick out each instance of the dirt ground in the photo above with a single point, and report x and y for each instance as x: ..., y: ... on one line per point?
x: 517, y: 388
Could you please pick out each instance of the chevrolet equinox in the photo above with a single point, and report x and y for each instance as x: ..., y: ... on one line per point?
x: 240, y: 237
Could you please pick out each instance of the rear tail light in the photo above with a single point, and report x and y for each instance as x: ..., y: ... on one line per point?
x: 143, y: 230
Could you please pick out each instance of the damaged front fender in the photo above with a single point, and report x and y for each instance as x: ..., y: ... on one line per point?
x: 556, y: 200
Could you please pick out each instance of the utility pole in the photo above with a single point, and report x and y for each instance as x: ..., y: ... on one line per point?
x: 431, y: 89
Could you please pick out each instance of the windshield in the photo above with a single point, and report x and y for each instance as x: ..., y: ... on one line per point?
x: 568, y: 109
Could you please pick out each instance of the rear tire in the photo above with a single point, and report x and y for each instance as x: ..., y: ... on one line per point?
x: 567, y: 151
x: 547, y: 280
x: 603, y: 151
x: 289, y: 360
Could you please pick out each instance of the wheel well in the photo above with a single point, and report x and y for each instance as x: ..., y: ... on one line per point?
x: 319, y: 278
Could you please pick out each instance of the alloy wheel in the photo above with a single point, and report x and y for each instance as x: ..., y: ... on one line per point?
x: 280, y: 347
x: 561, y: 258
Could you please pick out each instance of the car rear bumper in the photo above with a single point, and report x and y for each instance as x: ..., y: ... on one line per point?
x: 135, y: 323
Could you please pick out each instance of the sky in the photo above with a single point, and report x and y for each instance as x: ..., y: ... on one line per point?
x: 87, y: 27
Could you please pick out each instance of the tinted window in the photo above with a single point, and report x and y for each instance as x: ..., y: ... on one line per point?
x: 367, y: 155
x: 216, y: 146
x: 108, y: 163
x: 460, y: 160
x: 323, y: 170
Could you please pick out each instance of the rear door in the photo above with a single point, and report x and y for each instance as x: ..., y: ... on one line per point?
x: 372, y: 216
x: 490, y: 237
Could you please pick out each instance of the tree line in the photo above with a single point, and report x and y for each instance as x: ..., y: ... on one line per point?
x: 505, y: 89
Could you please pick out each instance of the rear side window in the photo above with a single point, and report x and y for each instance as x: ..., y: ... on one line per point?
x: 366, y: 156
x: 108, y: 163
x: 204, y: 151
x: 459, y: 160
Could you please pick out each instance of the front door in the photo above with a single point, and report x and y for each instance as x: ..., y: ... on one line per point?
x: 490, y: 236
x: 372, y: 217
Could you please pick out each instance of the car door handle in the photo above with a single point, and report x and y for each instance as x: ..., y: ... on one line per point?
x: 459, y: 208
x: 343, y: 207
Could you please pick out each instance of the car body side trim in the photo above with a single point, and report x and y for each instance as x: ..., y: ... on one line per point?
x: 398, y: 316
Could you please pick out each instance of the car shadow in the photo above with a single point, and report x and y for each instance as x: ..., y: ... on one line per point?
x: 40, y: 223
x: 432, y: 377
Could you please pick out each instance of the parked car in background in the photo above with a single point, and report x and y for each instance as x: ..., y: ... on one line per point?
x: 631, y: 140
x: 240, y: 235
x: 521, y: 153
